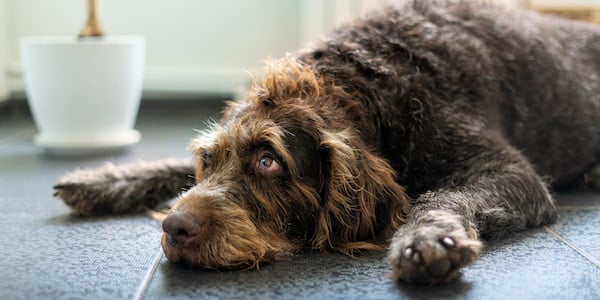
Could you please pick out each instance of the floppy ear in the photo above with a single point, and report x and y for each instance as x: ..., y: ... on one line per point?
x: 362, y: 204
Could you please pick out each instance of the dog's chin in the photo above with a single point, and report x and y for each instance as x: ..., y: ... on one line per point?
x: 204, y: 255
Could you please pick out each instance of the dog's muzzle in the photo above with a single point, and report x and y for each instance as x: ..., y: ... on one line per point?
x: 182, y: 228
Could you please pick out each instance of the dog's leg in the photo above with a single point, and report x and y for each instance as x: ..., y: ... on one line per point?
x: 495, y: 192
x: 126, y: 188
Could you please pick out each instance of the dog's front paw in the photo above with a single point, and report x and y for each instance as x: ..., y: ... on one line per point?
x: 127, y: 188
x: 91, y: 192
x: 433, y: 249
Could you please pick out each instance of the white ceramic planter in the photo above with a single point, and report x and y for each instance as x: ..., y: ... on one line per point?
x: 84, y: 94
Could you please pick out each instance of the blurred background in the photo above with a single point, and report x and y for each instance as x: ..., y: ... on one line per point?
x: 197, y: 47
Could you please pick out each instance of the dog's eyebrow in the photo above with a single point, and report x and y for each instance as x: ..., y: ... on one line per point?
x: 206, y: 138
x: 283, y: 142
x: 264, y: 134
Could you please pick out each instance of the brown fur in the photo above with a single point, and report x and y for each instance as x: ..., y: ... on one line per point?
x: 343, y: 215
x: 419, y: 129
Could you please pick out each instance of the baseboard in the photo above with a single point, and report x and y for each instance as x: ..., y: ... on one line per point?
x: 18, y: 106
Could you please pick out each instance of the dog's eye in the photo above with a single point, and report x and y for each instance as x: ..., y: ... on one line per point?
x: 268, y: 165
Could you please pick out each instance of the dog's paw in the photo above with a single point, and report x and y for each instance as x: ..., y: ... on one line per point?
x: 127, y: 188
x: 112, y: 189
x: 89, y: 191
x: 432, y: 250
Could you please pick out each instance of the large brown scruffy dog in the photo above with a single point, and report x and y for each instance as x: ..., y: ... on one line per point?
x: 418, y: 129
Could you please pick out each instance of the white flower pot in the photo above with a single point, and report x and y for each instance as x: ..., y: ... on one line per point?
x: 84, y: 94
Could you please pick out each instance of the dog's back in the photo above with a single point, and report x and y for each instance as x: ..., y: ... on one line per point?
x: 551, y: 92
x: 533, y: 79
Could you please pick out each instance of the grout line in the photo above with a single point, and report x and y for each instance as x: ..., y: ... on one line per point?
x: 577, y: 249
x: 139, y: 294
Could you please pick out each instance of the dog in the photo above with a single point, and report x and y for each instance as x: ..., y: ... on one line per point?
x: 421, y: 129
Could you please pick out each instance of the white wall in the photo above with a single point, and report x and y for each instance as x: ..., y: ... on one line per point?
x: 565, y: 3
x: 192, y: 45
x: 4, y: 87
x: 319, y: 16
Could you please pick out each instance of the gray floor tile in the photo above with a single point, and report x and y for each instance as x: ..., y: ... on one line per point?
x: 48, y: 253
x: 309, y: 275
x: 582, y: 229
x: 47, y: 256
x: 531, y: 265
x: 579, y: 223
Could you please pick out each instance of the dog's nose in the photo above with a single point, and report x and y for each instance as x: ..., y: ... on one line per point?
x: 181, y: 228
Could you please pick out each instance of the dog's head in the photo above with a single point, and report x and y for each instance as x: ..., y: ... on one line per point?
x: 285, y: 169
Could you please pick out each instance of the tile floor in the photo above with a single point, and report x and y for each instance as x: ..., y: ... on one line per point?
x: 48, y: 253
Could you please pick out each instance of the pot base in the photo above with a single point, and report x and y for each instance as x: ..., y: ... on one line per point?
x: 92, y: 146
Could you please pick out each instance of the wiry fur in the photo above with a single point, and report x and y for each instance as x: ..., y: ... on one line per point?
x: 125, y: 188
x: 422, y: 127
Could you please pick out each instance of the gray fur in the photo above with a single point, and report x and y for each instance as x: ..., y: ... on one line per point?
x: 126, y: 188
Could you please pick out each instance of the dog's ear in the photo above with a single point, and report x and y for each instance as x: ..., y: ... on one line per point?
x: 362, y: 204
